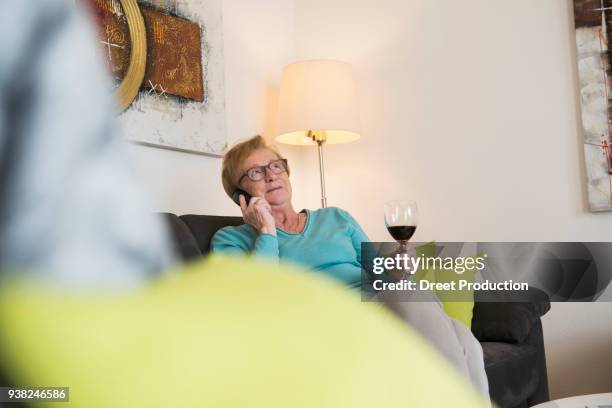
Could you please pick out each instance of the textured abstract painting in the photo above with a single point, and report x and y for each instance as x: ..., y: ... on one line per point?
x: 593, y: 24
x: 181, y: 102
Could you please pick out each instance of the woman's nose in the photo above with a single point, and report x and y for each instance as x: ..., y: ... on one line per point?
x: 270, y: 176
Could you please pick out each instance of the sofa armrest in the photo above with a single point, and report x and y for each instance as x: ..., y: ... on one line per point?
x: 183, y: 241
x: 506, y: 321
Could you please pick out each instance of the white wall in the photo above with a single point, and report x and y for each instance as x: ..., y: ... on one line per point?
x: 470, y: 108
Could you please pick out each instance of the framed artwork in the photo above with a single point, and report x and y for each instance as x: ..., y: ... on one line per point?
x: 166, y: 61
x: 593, y: 25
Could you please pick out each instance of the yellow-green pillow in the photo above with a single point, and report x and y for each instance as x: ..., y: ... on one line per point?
x: 224, y: 333
x: 457, y: 304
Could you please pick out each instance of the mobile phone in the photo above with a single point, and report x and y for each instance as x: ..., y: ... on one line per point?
x: 238, y: 193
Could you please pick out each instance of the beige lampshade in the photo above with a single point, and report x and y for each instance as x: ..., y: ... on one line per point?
x: 317, y: 95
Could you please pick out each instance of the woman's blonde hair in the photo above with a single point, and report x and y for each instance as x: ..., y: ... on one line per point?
x: 236, y: 155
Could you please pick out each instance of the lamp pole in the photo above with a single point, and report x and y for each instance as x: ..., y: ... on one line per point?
x: 322, y: 173
x: 320, y: 137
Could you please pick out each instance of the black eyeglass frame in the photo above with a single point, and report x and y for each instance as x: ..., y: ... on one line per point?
x: 263, y: 169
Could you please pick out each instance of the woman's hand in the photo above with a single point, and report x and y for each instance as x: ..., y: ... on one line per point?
x: 258, y: 214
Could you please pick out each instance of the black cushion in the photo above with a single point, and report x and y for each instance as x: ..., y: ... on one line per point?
x: 507, y: 321
x: 203, y: 227
x: 512, y: 372
x: 183, y: 240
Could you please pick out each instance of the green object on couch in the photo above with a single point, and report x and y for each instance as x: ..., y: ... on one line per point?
x: 224, y: 332
x: 458, y: 304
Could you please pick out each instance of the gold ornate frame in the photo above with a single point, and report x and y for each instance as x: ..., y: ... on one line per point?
x: 128, y: 89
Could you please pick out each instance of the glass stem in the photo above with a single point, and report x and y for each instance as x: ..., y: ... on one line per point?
x: 403, y: 246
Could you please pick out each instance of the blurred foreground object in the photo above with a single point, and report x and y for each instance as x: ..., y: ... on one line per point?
x: 71, y: 210
x: 225, y: 332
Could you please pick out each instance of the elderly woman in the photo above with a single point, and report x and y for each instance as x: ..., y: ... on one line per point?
x: 327, y: 240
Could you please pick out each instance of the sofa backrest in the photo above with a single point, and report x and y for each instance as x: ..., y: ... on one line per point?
x: 192, y: 233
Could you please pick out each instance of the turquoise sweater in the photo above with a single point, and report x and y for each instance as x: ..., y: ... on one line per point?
x: 330, y: 244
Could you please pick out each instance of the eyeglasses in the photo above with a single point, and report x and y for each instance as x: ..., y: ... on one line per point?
x: 259, y: 172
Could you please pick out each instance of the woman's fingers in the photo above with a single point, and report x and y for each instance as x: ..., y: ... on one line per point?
x: 243, y: 204
x: 264, y: 205
x: 256, y: 211
x: 251, y: 209
x: 257, y: 202
x: 267, y: 206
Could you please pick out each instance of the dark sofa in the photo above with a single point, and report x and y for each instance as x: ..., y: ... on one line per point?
x: 510, y: 332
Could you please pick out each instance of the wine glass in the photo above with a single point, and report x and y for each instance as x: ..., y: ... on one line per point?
x: 401, y: 219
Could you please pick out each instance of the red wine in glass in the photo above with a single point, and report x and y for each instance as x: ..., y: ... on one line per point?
x: 401, y: 221
x: 401, y: 232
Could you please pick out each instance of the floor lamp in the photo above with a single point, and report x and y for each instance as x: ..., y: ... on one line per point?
x: 317, y: 106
